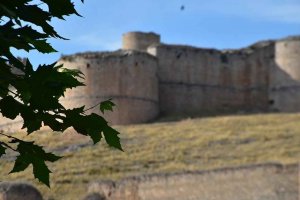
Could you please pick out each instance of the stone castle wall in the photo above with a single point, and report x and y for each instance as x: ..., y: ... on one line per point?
x: 208, y: 79
x: 190, y: 80
x: 147, y: 78
x: 259, y: 182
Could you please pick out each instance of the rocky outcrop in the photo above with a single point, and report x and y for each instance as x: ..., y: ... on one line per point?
x: 18, y: 191
x: 94, y: 196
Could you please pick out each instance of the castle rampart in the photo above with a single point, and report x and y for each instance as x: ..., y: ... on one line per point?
x: 262, y: 77
x: 212, y: 80
x: 147, y: 78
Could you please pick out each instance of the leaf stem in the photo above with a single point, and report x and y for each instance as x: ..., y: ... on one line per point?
x: 11, y: 137
x: 92, y: 107
x: 6, y: 145
x: 8, y: 136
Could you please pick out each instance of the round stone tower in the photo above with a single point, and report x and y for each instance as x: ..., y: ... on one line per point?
x: 139, y: 40
x: 285, y: 76
x: 127, y: 77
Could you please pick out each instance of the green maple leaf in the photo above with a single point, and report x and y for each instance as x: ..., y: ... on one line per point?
x: 31, y: 154
x: 112, y: 138
x: 107, y: 105
x: 64, y: 7
x: 42, y: 46
x: 95, y: 135
x: 41, y: 171
x: 21, y: 163
x: 91, y: 125
x: 32, y: 120
x: 10, y: 107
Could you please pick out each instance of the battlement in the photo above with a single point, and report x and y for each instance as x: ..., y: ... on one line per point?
x: 104, y: 55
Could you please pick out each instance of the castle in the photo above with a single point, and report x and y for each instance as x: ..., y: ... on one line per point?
x: 147, y: 78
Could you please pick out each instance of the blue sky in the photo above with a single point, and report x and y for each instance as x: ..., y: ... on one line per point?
x: 203, y: 23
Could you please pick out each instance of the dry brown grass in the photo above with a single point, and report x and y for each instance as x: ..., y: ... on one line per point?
x: 190, y: 144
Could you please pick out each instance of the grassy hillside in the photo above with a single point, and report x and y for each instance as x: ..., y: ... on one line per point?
x: 191, y: 144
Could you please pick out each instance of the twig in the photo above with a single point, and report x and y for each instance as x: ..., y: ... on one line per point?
x: 9, y: 136
x: 4, y: 144
x: 92, y: 107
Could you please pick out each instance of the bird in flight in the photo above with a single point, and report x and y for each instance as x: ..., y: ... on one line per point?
x: 182, y: 7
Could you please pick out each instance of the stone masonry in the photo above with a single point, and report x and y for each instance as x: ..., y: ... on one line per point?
x: 147, y: 78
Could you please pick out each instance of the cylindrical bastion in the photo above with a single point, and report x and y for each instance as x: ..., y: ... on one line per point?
x: 128, y: 77
x: 139, y: 40
x: 285, y: 76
